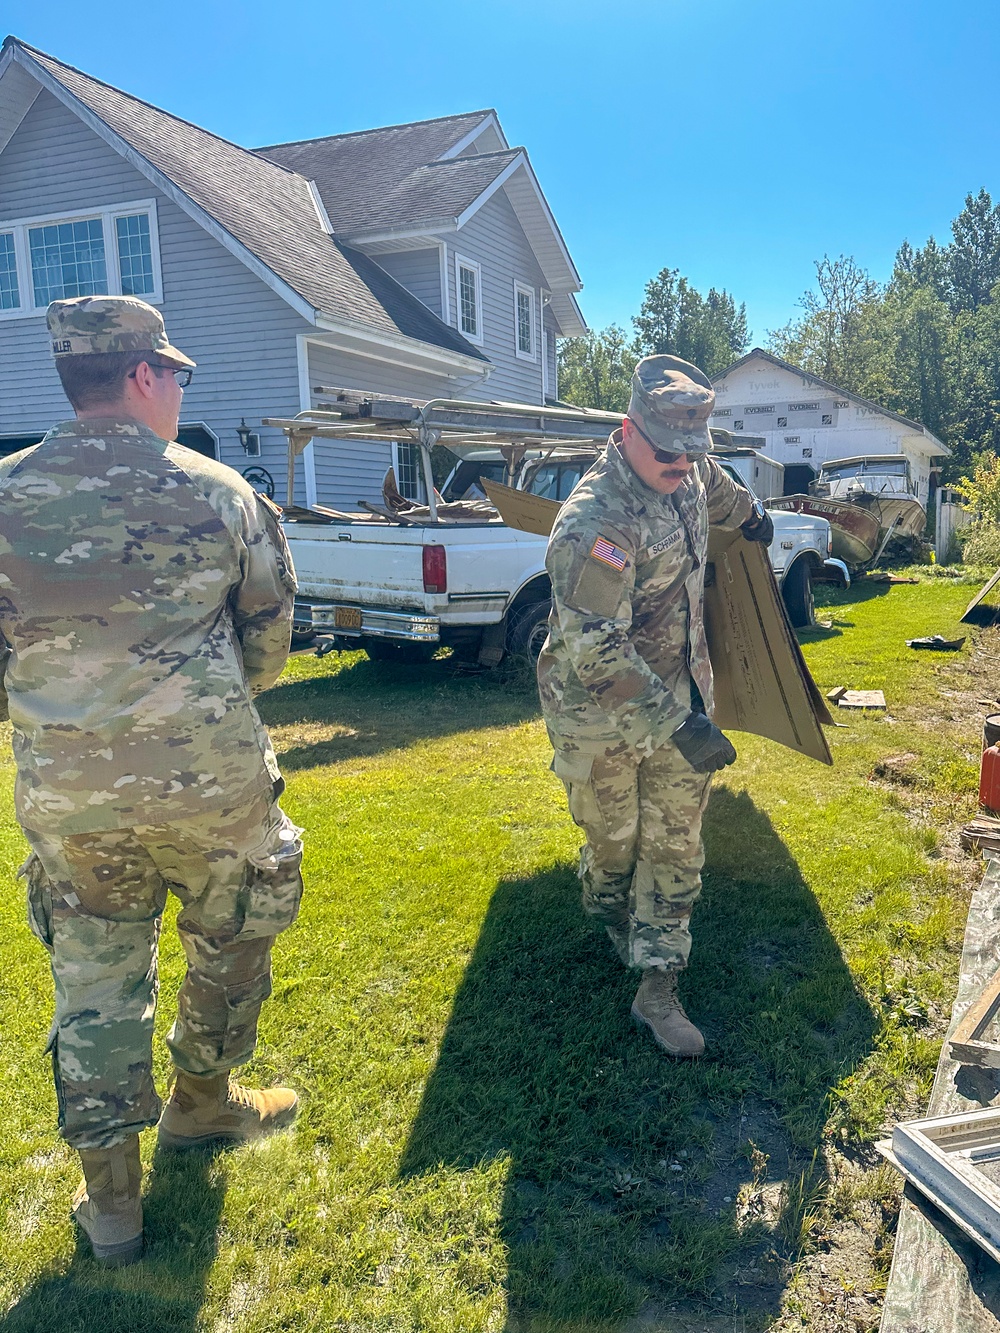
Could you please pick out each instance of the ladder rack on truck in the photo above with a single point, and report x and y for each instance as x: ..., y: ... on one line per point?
x: 513, y: 428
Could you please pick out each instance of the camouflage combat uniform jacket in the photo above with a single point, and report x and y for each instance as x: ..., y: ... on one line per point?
x: 626, y: 634
x: 145, y: 591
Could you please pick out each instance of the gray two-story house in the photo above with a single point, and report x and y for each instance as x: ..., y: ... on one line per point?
x: 420, y: 260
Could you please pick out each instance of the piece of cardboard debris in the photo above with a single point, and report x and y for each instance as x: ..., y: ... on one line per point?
x: 937, y: 643
x: 861, y: 699
x: 899, y: 578
x: 836, y: 693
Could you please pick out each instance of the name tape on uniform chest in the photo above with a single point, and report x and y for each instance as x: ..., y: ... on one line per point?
x: 659, y: 547
x: 609, y: 553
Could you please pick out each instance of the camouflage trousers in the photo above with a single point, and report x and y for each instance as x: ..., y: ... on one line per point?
x: 641, y: 865
x: 96, y: 900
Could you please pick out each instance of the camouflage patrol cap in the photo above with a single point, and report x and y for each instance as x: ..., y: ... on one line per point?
x: 89, y: 324
x: 671, y: 403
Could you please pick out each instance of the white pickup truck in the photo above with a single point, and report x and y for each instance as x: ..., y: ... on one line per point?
x: 401, y: 590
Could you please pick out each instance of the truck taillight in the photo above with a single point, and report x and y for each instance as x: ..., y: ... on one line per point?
x: 435, y: 569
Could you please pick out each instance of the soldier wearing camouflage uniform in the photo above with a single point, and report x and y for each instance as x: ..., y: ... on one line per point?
x: 625, y: 679
x: 145, y: 594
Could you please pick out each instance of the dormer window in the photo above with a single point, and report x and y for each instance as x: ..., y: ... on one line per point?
x: 468, y: 284
x: 46, y: 259
x: 524, y: 321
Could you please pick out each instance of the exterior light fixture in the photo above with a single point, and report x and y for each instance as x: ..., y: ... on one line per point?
x: 249, y: 439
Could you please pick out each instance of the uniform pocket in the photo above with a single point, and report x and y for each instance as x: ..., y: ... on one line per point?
x: 39, y: 900
x: 572, y: 765
x: 271, y: 893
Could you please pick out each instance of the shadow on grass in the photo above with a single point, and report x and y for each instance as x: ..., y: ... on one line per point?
x: 540, y: 1066
x: 377, y: 706
x: 164, y: 1291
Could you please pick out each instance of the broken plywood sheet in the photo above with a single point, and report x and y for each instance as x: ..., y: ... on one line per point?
x: 762, y: 683
x: 940, y: 1279
x: 985, y: 606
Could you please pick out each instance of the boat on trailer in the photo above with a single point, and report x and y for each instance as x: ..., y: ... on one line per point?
x: 866, y: 500
x: 881, y: 484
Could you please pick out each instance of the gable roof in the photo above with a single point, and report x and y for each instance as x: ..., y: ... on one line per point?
x: 407, y: 180
x: 758, y: 354
x: 264, y: 212
x: 374, y: 163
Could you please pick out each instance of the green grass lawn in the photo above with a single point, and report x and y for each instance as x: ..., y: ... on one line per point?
x: 485, y: 1142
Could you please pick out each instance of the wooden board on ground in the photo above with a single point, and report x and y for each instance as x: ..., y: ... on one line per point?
x: 941, y: 1280
x: 861, y: 699
x: 981, y: 834
x: 762, y: 683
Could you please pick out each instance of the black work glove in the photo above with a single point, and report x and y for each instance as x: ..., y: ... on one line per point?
x: 759, y: 527
x: 703, y: 745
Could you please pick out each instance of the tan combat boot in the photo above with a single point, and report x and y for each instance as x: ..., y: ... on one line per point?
x: 108, y: 1204
x: 203, y: 1109
x: 657, y: 1006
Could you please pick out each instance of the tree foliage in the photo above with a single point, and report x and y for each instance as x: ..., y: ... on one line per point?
x: 927, y: 344
x: 596, y: 370
x: 675, y: 319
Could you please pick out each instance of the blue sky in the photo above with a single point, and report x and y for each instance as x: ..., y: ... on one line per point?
x: 735, y: 142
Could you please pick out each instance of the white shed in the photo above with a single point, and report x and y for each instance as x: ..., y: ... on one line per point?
x: 805, y: 422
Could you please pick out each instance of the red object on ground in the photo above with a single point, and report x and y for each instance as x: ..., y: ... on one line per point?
x: 989, y: 780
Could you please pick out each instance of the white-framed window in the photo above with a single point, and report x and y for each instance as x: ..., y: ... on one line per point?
x: 406, y: 465
x: 524, y: 322
x: 469, y: 296
x: 113, y: 251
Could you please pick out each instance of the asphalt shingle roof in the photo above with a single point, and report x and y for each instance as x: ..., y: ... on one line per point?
x: 392, y: 177
x: 266, y: 206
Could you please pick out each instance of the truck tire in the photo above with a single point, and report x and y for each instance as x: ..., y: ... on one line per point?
x: 797, y: 590
x: 400, y: 651
x: 528, y: 627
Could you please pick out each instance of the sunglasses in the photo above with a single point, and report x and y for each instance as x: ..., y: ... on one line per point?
x: 661, y: 455
x: 182, y: 374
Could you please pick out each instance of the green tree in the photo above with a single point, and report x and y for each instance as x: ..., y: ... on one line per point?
x: 596, y: 370
x: 826, y: 339
x: 974, y: 255
x: 675, y: 319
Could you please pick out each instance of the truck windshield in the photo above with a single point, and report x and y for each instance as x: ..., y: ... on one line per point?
x: 896, y: 467
x: 554, y: 481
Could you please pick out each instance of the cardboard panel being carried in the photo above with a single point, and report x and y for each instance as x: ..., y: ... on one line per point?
x: 762, y: 683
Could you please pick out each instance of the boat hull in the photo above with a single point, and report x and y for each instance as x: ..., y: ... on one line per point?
x: 906, y: 517
x: 854, y: 531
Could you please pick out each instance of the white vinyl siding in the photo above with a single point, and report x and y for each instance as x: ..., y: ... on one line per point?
x: 524, y: 322
x: 114, y: 251
x: 468, y: 284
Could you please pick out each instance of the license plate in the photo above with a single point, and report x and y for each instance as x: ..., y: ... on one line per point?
x: 346, y: 617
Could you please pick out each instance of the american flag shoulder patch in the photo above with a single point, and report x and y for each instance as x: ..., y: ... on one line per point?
x: 611, y: 554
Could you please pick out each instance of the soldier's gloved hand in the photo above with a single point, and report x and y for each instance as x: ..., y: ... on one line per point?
x: 703, y: 745
x: 759, y: 527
